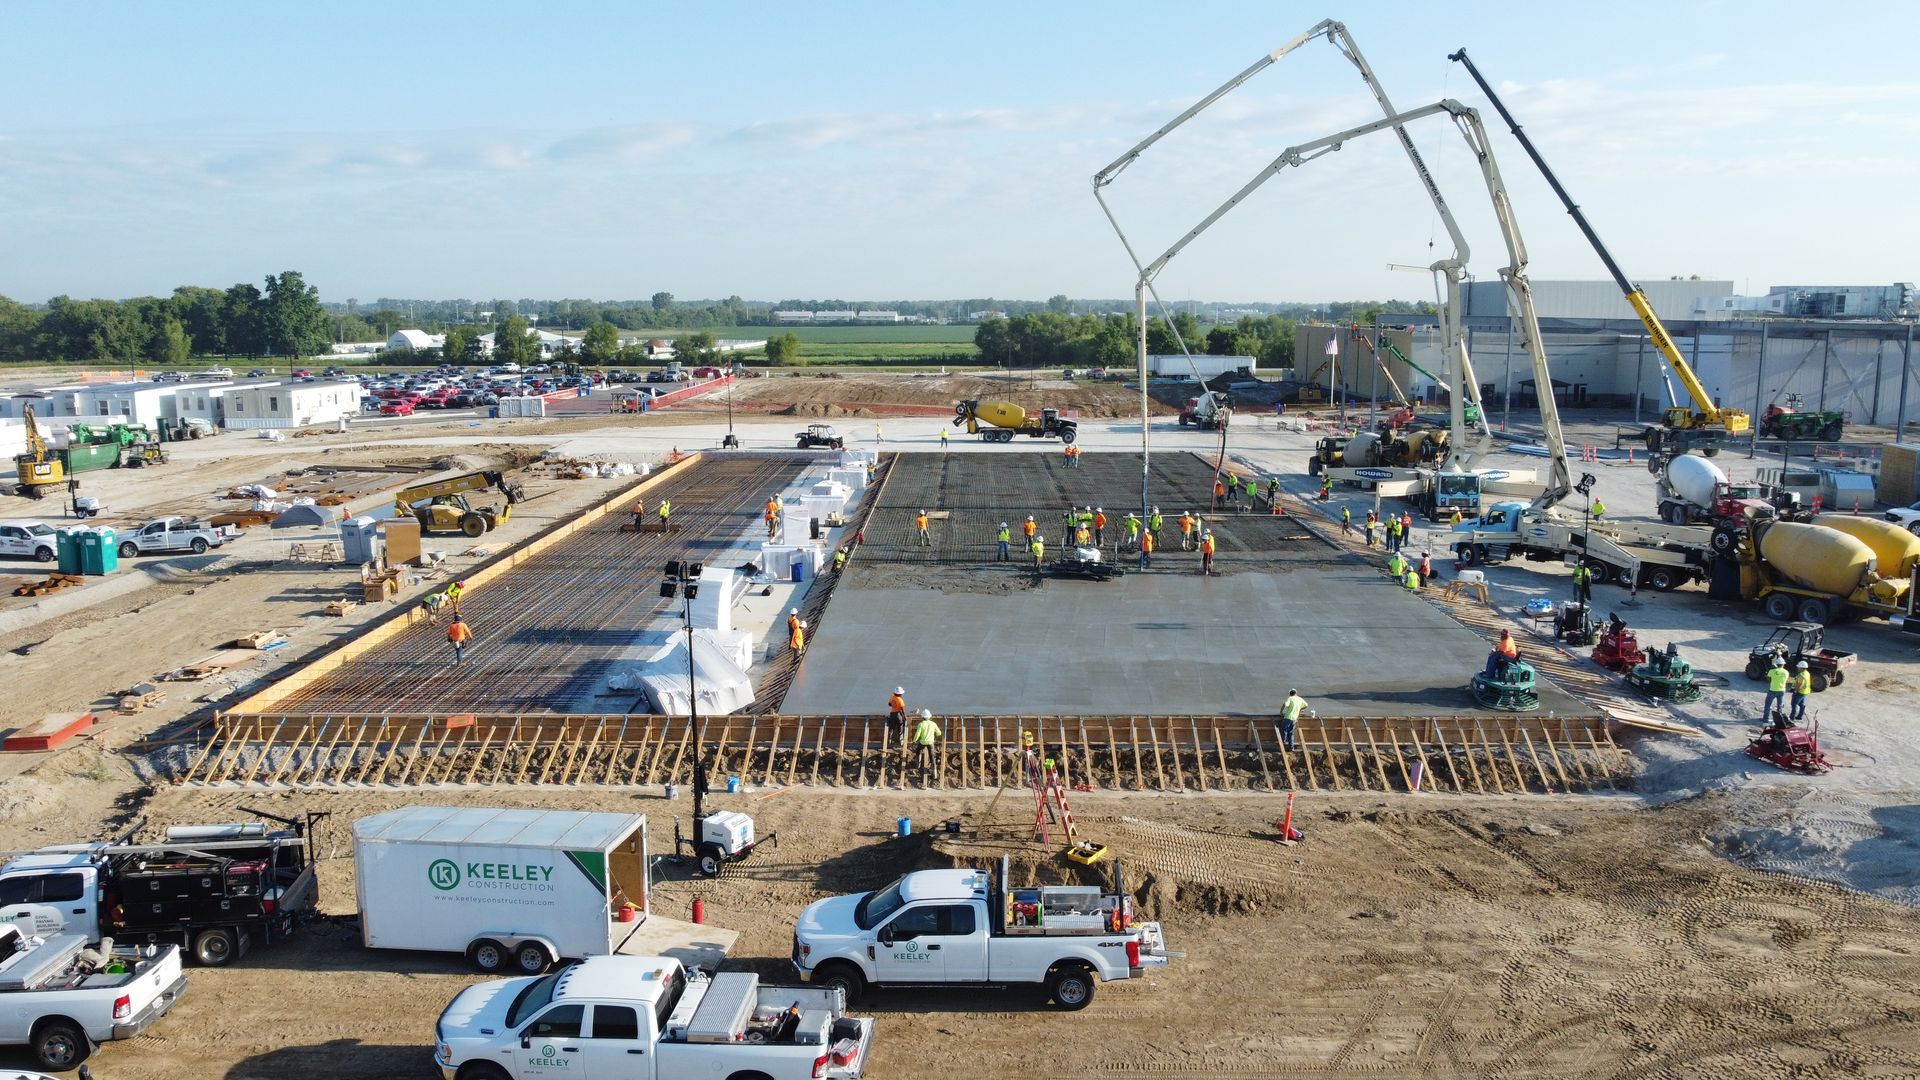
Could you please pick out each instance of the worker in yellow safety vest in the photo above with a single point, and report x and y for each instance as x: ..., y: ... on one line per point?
x: 665, y: 511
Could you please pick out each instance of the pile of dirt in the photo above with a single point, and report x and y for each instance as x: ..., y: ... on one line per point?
x: 824, y: 410
x: 794, y: 396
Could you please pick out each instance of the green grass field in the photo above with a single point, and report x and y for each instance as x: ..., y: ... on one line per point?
x: 845, y: 334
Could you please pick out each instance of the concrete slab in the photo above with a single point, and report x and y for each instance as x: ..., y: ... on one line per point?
x: 1156, y: 643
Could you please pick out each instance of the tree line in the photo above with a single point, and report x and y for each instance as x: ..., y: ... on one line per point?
x: 1055, y: 339
x: 282, y: 319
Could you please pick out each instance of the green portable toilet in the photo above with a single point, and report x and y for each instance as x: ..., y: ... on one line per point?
x: 66, y: 546
x: 99, y: 551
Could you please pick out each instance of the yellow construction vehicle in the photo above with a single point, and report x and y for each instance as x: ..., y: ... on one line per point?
x: 1702, y: 427
x: 1004, y: 420
x: 40, y: 467
x: 440, y: 507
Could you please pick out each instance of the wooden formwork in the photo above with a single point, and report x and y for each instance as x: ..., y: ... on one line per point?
x: 1459, y: 755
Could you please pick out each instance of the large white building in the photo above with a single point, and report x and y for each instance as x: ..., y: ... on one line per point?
x: 250, y: 403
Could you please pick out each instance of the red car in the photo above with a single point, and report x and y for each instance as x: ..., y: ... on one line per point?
x: 302, y: 373
x: 401, y: 407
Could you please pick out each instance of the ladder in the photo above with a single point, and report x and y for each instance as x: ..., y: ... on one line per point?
x: 1049, y: 794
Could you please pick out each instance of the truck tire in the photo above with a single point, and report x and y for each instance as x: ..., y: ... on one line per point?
x: 215, y: 948
x: 1314, y: 466
x: 482, y: 1070
x: 532, y: 958
x: 711, y: 859
x: 1723, y: 541
x: 199, y: 546
x: 1756, y: 670
x: 1814, y: 610
x: 129, y: 549
x: 754, y: 1075
x: 1071, y: 988
x: 844, y: 976
x: 1831, y: 433
x: 487, y: 956
x: 1067, y: 433
x: 44, y: 554
x: 473, y: 525
x: 1836, y: 677
x: 1183, y: 420
x: 1779, y: 607
x: 1710, y: 451
x: 59, y: 1044
x: 1664, y: 578
x: 1820, y: 680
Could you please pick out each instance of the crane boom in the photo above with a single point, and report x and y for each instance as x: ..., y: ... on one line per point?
x: 1709, y: 417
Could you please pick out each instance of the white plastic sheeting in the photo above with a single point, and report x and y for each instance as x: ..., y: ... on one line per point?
x: 719, y: 684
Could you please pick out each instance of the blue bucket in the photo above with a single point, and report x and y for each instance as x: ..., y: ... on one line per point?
x: 905, y: 825
x: 733, y: 785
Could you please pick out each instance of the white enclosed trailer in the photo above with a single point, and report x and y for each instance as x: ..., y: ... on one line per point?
x: 519, y: 888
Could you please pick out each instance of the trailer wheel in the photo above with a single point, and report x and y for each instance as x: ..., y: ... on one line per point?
x: 1664, y: 578
x: 214, y: 948
x: 712, y: 858
x: 845, y: 978
x: 1779, y: 607
x: 487, y: 955
x: 1071, y: 988
x: 59, y: 1045
x: 1816, y: 611
x: 532, y: 958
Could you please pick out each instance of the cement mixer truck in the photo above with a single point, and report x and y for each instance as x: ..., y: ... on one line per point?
x: 1824, y: 572
x: 1693, y: 491
x: 1003, y: 420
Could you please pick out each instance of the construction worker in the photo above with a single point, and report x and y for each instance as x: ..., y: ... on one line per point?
x: 1038, y: 548
x: 454, y: 592
x: 1066, y: 456
x: 1326, y: 488
x: 1426, y: 566
x: 1802, y: 686
x: 1219, y: 492
x: 943, y: 436
x: 1253, y: 492
x: 1599, y: 509
x: 1206, y: 554
x: 1028, y: 528
x: 878, y: 435
x: 1005, y: 539
x: 430, y: 604
x: 897, y: 713
x: 797, y: 639
x: 1346, y: 522
x: 458, y: 634
x: 1154, y: 521
x: 925, y: 734
x: 1505, y: 652
x: 839, y: 559
x: 1370, y: 526
x: 1457, y: 517
x: 1147, y: 544
x: 1777, y: 679
x: 1289, y: 716
x: 1396, y: 566
x: 665, y: 511
x: 1099, y: 526
x: 1084, y: 520
x: 1393, y: 534
x: 1186, y: 531
x: 1273, y: 491
x: 772, y: 520
x: 1583, y: 584
x: 920, y: 522
x: 1406, y: 529
x: 1412, y: 580
x: 639, y: 514
x: 1133, y: 530
x: 1082, y: 535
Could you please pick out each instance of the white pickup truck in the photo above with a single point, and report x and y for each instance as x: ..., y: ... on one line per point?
x: 173, y: 534
x: 647, y: 1018
x: 60, y: 997
x: 959, y: 927
x: 29, y: 539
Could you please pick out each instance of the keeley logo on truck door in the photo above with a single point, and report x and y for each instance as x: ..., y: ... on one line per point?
x: 447, y: 875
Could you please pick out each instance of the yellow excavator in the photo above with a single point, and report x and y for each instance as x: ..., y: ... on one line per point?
x: 41, y: 467
x: 442, y: 507
x: 1704, y: 426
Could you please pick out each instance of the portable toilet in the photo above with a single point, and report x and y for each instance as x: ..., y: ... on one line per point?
x: 66, y: 545
x: 99, y: 551
x: 360, y: 541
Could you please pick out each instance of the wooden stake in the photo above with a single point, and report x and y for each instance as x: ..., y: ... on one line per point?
x: 1400, y: 757
x: 1545, y: 784
x: 1446, y: 755
x: 1472, y: 764
x: 1379, y: 766
x: 1220, y: 755
x: 480, y: 755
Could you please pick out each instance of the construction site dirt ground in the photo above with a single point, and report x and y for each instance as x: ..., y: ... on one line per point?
x: 1404, y: 937
x: 1437, y: 935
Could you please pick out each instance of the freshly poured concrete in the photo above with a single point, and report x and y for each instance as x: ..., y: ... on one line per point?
x: 1155, y: 643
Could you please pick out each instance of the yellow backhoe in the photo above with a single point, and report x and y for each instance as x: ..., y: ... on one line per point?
x: 41, y: 467
x: 442, y: 507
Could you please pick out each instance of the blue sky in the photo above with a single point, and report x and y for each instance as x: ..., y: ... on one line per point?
x: 891, y: 151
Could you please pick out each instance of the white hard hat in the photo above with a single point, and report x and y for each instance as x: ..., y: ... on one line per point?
x: 1100, y: 509
x: 1779, y: 662
x: 793, y: 611
x: 1802, y: 665
x: 926, y: 714
x: 899, y: 689
x: 1003, y: 524
x: 1029, y: 517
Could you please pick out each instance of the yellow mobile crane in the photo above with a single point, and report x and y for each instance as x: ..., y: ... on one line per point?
x: 1702, y: 427
x: 441, y: 508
